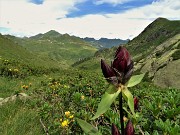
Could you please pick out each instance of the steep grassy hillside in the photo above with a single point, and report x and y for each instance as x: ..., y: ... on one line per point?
x: 93, y: 63
x: 163, y: 63
x: 64, y: 49
x: 153, y: 35
x: 11, y: 50
x: 152, y: 51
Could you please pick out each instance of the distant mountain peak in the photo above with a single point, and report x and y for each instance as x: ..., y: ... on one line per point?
x: 49, y: 34
x: 161, y: 19
x: 52, y: 33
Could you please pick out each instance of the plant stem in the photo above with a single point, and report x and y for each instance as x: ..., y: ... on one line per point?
x: 44, y: 127
x: 121, y: 113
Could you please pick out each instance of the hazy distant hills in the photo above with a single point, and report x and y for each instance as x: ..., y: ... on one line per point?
x: 156, y: 51
x: 105, y: 42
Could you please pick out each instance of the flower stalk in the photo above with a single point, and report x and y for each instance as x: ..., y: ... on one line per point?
x: 121, y: 113
x: 118, y: 74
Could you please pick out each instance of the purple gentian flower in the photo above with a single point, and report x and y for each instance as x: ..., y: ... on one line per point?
x: 121, y: 68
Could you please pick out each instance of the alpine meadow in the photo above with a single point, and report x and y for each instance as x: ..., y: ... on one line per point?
x: 58, y: 84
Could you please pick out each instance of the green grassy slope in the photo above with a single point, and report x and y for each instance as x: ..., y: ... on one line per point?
x: 93, y: 63
x: 153, y: 35
x: 154, y: 48
x: 64, y: 49
x: 11, y: 50
x: 144, y: 44
x: 54, y: 94
x: 17, y: 119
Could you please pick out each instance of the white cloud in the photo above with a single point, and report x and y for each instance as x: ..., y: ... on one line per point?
x: 29, y: 19
x: 21, y: 15
x: 123, y: 25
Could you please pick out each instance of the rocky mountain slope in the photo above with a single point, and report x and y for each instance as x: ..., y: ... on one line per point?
x: 163, y: 64
x: 155, y: 51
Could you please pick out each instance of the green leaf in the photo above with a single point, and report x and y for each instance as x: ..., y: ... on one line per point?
x: 129, y: 98
x: 136, y: 79
x: 105, y: 103
x: 88, y: 128
x: 127, y: 111
x: 111, y: 89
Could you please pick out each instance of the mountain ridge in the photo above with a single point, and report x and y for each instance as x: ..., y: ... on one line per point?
x: 105, y: 42
x: 64, y: 49
x: 153, y: 51
x: 154, y: 34
x: 98, y: 43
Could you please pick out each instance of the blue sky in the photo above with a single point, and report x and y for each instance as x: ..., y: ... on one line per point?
x: 89, y: 7
x: 38, y: 2
x: 85, y: 18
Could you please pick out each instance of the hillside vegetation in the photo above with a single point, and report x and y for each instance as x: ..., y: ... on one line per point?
x: 152, y: 51
x: 9, y: 49
x: 152, y: 36
x: 49, y: 81
x: 63, y: 49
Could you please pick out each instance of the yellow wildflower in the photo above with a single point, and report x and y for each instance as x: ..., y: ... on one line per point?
x: 30, y: 84
x: 16, y: 70
x: 125, y: 118
x: 26, y: 87
x: 64, y: 123
x: 60, y: 120
x: 55, y: 83
x: 23, y: 86
x: 66, y: 86
x: 82, y: 97
x: 72, y: 116
x: 67, y: 113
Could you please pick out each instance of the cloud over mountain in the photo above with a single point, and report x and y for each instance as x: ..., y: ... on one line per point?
x: 27, y: 18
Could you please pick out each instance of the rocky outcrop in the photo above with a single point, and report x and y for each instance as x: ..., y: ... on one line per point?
x: 21, y: 96
x: 158, y: 63
x: 169, y: 75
